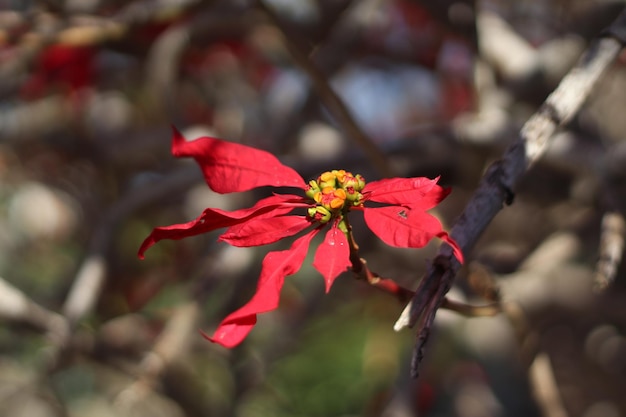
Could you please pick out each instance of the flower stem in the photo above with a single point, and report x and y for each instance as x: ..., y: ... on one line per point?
x: 362, y: 271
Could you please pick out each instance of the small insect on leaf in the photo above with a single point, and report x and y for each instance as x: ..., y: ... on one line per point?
x: 402, y: 214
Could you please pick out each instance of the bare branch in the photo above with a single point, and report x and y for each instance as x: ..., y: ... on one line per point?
x: 93, y: 271
x: 487, y: 310
x: 172, y: 344
x: 498, y: 183
x: 545, y: 387
x: 611, y: 250
x: 16, y: 306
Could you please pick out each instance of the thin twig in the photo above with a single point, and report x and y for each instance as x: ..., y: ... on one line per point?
x: 611, y: 250
x: 545, y: 388
x: 17, y: 306
x: 541, y: 376
x: 362, y: 271
x: 331, y: 100
x: 93, y: 272
x: 498, y: 183
x: 172, y: 344
x: 488, y: 310
x: 163, y: 64
x: 384, y: 284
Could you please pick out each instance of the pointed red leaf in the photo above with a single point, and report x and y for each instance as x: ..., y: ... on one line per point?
x: 332, y: 256
x: 276, y: 266
x: 256, y: 232
x: 401, y: 226
x: 456, y: 249
x: 212, y: 219
x: 416, y: 192
x: 231, y: 167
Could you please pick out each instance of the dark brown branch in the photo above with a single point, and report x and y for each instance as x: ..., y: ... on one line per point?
x: 497, y: 185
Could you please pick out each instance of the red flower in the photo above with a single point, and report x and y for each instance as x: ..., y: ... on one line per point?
x: 231, y: 167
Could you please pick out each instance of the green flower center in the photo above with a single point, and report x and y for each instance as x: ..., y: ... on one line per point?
x: 334, y: 192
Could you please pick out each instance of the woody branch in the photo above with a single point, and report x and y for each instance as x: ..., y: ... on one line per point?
x: 498, y: 183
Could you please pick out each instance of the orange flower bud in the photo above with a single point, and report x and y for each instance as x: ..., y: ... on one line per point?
x: 327, y: 179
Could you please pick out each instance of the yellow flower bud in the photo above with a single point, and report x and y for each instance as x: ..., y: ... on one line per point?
x: 320, y: 214
x: 312, y: 189
x: 327, y: 179
x: 361, y: 182
x: 340, y: 175
x: 339, y: 199
x: 334, y: 192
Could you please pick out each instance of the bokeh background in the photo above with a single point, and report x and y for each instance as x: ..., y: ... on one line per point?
x: 88, y: 92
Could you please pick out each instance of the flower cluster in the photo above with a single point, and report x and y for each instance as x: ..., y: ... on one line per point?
x: 334, y: 192
x: 399, y: 219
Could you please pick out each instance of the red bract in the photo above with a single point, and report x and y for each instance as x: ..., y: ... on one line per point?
x: 69, y: 68
x: 231, y: 167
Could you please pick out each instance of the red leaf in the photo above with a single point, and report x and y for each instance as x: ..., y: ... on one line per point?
x: 401, y: 226
x: 232, y: 333
x: 456, y: 249
x: 212, y: 219
x: 256, y: 232
x: 230, y: 167
x: 276, y: 266
x: 332, y: 256
x: 416, y: 192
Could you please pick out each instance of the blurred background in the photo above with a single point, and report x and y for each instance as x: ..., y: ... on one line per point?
x: 88, y: 92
